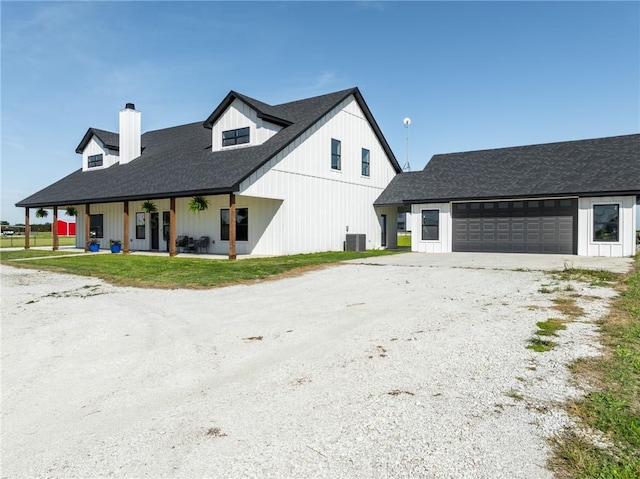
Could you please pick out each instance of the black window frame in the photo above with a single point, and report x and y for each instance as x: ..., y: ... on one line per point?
x: 366, y: 162
x: 604, y: 230
x: 430, y: 224
x: 242, y: 224
x: 96, y: 230
x: 336, y: 154
x: 239, y: 136
x: 141, y: 225
x: 94, y: 161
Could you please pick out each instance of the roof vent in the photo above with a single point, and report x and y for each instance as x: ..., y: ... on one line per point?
x: 129, y: 106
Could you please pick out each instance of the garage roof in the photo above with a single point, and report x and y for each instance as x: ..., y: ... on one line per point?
x: 594, y: 167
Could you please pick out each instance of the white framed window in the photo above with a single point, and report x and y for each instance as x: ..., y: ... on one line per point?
x: 365, y: 162
x: 336, y: 148
x: 235, y: 137
x: 430, y: 225
x: 606, y: 223
x: 94, y: 160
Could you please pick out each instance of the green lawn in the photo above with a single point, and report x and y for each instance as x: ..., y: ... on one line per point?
x: 181, y: 272
x: 6, y: 256
x: 612, y: 408
x: 36, y: 239
x: 404, y: 241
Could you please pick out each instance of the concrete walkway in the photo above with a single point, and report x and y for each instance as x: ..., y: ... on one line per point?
x: 502, y: 261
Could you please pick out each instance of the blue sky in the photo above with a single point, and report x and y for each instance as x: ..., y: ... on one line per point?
x: 470, y: 75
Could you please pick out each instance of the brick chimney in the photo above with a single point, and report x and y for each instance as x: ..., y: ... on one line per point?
x: 130, y: 147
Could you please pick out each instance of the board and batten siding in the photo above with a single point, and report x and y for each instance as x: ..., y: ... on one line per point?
x: 626, y: 244
x: 263, y: 223
x: 241, y: 115
x: 319, y: 205
x: 96, y: 147
x: 444, y: 241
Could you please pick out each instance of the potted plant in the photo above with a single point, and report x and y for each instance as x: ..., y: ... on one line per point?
x: 198, y: 203
x: 115, y: 245
x: 94, y: 245
x: 149, y: 206
x: 71, y: 211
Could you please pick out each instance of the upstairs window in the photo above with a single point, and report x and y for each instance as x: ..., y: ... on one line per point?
x: 235, y: 137
x: 365, y: 162
x: 335, y: 154
x: 606, y: 223
x: 94, y: 160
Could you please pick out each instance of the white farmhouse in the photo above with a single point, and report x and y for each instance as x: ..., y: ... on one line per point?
x: 298, y: 177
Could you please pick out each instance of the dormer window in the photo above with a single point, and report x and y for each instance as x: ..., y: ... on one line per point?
x: 94, y: 160
x: 235, y: 137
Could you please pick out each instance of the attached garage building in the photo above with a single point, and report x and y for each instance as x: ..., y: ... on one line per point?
x: 576, y: 197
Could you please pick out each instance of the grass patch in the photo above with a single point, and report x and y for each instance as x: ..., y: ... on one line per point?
x: 540, y: 345
x: 32, y: 253
x: 568, y: 307
x: 515, y: 395
x: 595, y: 277
x: 404, y: 241
x: 550, y: 327
x: 180, y: 272
x: 36, y: 239
x: 611, y: 411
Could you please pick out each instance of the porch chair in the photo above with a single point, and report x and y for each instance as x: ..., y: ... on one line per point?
x: 203, y: 244
x: 181, y: 243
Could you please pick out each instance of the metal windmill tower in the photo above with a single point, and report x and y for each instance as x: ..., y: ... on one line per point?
x: 407, y: 122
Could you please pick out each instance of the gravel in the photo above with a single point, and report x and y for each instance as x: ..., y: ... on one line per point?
x: 353, y: 371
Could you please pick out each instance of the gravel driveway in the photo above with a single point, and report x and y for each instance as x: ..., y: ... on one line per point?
x: 353, y: 371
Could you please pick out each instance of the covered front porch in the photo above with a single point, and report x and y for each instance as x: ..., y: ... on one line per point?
x: 173, y: 225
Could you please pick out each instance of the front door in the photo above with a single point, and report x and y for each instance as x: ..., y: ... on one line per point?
x: 155, y: 234
x: 155, y: 231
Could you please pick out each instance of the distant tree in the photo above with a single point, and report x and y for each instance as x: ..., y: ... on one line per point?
x: 4, y: 223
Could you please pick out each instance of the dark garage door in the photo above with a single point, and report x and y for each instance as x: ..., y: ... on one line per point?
x: 534, y: 226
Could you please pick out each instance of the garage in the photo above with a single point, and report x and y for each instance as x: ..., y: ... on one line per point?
x: 527, y: 226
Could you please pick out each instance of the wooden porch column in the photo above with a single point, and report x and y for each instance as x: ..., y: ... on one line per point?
x: 232, y: 226
x: 172, y: 226
x: 54, y: 229
x: 87, y: 226
x: 125, y: 240
x: 27, y: 229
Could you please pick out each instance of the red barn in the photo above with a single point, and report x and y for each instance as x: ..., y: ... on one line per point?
x: 66, y: 229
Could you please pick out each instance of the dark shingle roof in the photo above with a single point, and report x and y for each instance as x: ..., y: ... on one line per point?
x: 178, y: 161
x: 600, y: 166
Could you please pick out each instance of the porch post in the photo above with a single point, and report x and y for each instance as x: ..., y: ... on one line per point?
x: 125, y: 240
x: 232, y: 226
x: 87, y: 226
x: 172, y: 226
x: 54, y: 229
x: 27, y: 229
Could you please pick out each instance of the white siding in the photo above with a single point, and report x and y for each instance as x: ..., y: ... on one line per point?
x: 320, y: 205
x: 96, y: 147
x: 241, y: 115
x: 113, y: 227
x: 626, y: 244
x: 443, y: 244
x: 264, y: 226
